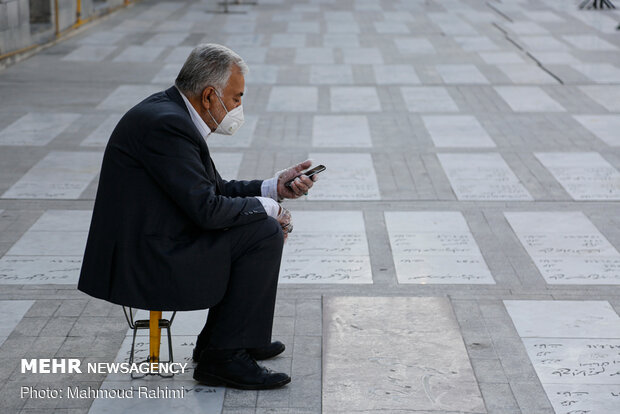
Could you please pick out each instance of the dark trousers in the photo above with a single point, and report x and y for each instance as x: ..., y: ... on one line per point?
x: 244, y: 316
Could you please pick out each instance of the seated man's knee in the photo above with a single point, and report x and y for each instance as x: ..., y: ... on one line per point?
x: 273, y: 228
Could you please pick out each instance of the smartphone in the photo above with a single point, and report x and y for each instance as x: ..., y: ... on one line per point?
x: 309, y: 173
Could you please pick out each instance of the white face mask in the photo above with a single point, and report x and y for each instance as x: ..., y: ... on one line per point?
x: 231, y: 122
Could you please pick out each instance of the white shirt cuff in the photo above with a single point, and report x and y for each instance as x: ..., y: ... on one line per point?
x: 269, y: 188
x: 271, y: 206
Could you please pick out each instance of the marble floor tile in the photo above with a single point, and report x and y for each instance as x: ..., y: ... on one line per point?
x: 50, y: 251
x: 598, y: 21
x: 428, y: 99
x: 338, y: 16
x: 354, y: 99
x: 461, y: 74
x: 457, y: 131
x: 555, y: 58
x: 50, y: 243
x: 296, y: 40
x: 543, y: 16
x: 342, y: 40
x: 100, y: 135
x: 252, y: 55
x: 414, y: 45
x: 573, y: 348
x: 599, y: 72
x: 139, y: 54
x: 293, y: 99
x: 331, y: 75
x: 452, y: 25
x: 238, y: 40
x: 558, y: 319
x: 589, y: 43
x: 398, y: 16
x: 128, y: 26
x: 524, y: 73
x: 499, y: 58
x: 584, y: 175
x: 528, y: 99
x: 63, y: 220
x: 348, y: 177
x: 396, y: 75
x: 571, y: 398
x: 179, y: 54
x: 227, y: 164
x: 608, y: 96
x: 180, y: 25
x: 304, y: 27
x: 391, y: 28
x: 59, y: 175
x: 435, y: 247
x: 555, y: 233
x: 575, y: 361
x: 89, y: 53
x: 102, y: 38
x: 482, y: 177
x: 362, y: 56
x: 343, y: 27
x: 341, y: 131
x: 395, y: 338
x: 37, y: 270
x: 605, y: 127
x: 476, y: 16
x: 196, y: 397
x: 262, y: 75
x: 566, y: 247
x: 167, y: 74
x: 12, y: 312
x: 326, y: 247
x: 166, y: 39
x: 543, y: 44
x: 242, y: 138
x: 525, y: 27
x: 314, y: 56
x: 36, y: 129
x: 240, y: 27
x: 476, y: 43
x: 125, y: 97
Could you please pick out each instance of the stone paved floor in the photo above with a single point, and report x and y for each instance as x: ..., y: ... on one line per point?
x: 472, y: 151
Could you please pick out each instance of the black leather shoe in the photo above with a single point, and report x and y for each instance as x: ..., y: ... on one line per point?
x: 266, y: 352
x: 236, y: 369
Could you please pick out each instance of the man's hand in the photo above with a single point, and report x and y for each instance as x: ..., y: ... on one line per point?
x: 300, y: 185
x: 284, y: 218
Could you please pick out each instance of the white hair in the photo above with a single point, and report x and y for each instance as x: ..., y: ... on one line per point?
x: 209, y: 64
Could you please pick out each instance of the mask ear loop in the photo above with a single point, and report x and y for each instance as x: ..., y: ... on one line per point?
x: 222, y: 102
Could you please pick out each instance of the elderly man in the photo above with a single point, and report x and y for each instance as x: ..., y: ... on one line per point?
x: 168, y: 233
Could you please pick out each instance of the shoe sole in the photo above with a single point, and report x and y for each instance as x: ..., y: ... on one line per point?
x: 215, y: 381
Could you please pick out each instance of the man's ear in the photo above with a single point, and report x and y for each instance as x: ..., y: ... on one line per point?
x: 205, y: 97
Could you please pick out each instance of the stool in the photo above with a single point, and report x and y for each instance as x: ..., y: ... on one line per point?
x: 154, y: 324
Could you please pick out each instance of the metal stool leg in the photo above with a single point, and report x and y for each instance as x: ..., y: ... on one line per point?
x: 154, y: 324
x: 154, y: 337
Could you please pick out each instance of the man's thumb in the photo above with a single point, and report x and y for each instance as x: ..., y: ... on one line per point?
x: 303, y: 165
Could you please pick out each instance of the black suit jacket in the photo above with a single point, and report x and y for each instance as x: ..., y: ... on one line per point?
x: 157, y: 238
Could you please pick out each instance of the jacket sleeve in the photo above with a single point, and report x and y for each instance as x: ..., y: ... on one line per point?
x: 239, y: 188
x: 171, y: 156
